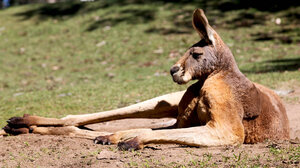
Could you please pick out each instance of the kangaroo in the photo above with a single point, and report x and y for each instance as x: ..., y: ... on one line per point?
x: 222, y: 108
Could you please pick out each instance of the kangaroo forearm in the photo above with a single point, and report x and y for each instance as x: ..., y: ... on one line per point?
x: 163, y: 106
x: 116, y: 115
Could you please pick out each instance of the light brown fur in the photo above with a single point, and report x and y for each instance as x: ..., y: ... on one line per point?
x: 222, y: 108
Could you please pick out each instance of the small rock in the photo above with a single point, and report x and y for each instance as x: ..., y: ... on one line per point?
x: 160, y: 74
x: 24, y: 82
x: 65, y: 94
x: 107, y: 155
x: 174, y: 54
x: 110, y: 75
x: 295, y: 141
x: 96, y: 18
x: 278, y: 21
x: 22, y: 50
x: 18, y: 94
x: 106, y: 28
x: 43, y: 65
x: 102, y: 43
x: 55, y: 68
x: 2, y: 29
x: 103, y: 62
x: 158, y: 51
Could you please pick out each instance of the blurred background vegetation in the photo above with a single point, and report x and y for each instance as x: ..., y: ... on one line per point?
x: 76, y: 57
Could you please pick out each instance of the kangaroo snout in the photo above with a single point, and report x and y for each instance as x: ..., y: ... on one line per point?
x: 179, y: 75
x: 174, y: 69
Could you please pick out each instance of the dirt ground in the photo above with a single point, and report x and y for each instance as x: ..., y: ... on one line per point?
x: 57, y: 151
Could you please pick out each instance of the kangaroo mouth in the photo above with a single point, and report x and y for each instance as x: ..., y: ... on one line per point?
x: 181, y: 77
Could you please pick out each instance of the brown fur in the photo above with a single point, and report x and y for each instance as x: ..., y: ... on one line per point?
x: 246, y: 100
x: 222, y: 108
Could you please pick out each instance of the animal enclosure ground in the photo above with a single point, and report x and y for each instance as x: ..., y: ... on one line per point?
x: 75, y: 58
x: 57, y: 151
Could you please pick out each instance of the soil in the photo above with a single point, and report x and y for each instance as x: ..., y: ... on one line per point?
x: 33, y: 150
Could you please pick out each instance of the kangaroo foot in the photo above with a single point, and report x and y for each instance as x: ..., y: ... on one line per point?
x: 18, y: 125
x: 16, y: 131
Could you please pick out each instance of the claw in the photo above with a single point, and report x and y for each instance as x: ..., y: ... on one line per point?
x: 104, y: 140
x: 6, y: 128
x: 30, y: 129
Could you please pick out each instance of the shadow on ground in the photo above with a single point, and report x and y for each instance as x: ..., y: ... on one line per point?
x: 181, y: 18
x: 284, y: 35
x: 129, y: 16
x: 277, y: 65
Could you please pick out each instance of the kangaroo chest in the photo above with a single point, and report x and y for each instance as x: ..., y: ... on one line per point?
x: 193, y: 113
x: 202, y: 110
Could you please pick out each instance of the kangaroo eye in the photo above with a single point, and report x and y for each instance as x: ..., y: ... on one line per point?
x: 196, y: 55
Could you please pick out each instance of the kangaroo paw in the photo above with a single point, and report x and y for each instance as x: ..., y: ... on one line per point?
x: 132, y: 144
x: 19, y: 122
x: 104, y: 140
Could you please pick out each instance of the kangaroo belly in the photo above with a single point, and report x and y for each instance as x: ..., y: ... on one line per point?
x: 272, y: 122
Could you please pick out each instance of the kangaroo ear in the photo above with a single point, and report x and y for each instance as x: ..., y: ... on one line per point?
x: 202, y: 26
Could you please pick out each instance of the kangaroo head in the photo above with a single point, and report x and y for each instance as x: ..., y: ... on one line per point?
x: 204, y: 57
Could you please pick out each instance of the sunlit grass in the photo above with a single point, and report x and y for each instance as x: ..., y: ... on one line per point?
x: 104, y: 57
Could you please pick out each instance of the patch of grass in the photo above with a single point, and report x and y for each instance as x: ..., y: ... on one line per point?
x: 290, y: 155
x: 26, y: 144
x: 292, y: 100
x: 74, y: 58
x: 272, y: 157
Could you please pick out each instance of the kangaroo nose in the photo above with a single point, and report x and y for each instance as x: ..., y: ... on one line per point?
x: 174, y: 69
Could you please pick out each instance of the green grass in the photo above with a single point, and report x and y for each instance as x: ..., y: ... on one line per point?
x: 72, y: 58
x: 271, y: 156
x: 278, y: 156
